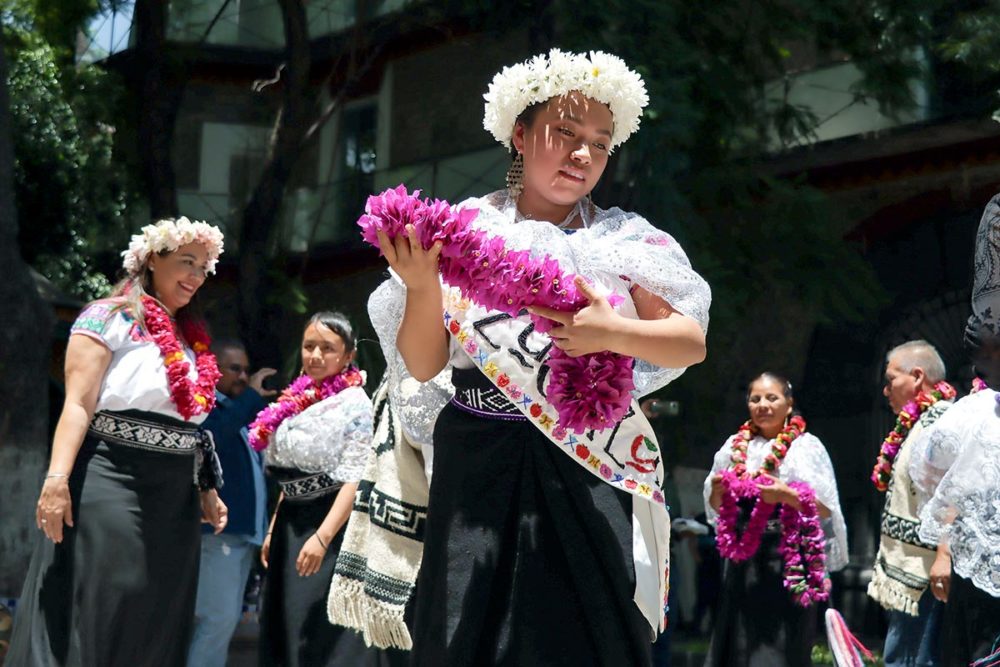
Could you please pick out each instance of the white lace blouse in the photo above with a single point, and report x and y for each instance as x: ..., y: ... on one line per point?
x: 136, y: 379
x: 616, y: 249
x: 807, y: 461
x: 962, y: 449
x: 332, y: 436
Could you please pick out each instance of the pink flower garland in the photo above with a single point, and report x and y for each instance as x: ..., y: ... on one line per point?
x: 732, y: 545
x: 803, y: 549
x: 190, y: 398
x: 588, y: 392
x: 296, y: 397
x: 802, y: 544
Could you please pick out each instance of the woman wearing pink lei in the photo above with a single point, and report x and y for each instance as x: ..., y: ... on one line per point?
x: 546, y: 542
x: 315, y: 438
x: 113, y: 581
x: 773, y: 497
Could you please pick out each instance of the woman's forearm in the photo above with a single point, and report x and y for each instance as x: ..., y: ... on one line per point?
x: 422, y: 340
x: 675, y: 341
x: 339, y: 513
x: 70, y: 432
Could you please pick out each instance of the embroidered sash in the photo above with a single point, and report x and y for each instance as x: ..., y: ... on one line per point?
x: 626, y: 455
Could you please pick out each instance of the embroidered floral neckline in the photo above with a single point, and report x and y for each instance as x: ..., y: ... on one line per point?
x: 908, y: 416
x: 299, y: 395
x: 189, y: 397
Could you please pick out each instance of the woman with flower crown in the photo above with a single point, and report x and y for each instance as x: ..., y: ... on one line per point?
x: 315, y: 438
x: 547, y: 535
x: 773, y: 498
x: 113, y: 579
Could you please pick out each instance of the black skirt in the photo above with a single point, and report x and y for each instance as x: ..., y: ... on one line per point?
x: 119, y: 590
x: 294, y: 628
x: 527, y: 555
x: 971, y: 623
x: 756, y: 622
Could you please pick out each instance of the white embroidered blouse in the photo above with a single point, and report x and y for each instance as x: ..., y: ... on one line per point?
x: 807, y: 461
x: 332, y: 436
x: 136, y: 379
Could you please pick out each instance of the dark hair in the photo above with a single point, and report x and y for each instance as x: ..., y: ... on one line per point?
x: 338, y: 324
x: 786, y: 386
x: 220, y: 345
x: 526, y: 118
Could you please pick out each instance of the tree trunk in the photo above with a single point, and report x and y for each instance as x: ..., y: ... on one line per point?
x: 158, y: 87
x: 24, y: 382
x: 262, y: 215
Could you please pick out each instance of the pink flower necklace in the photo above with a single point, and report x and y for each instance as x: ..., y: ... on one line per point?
x: 190, y: 398
x: 592, y: 391
x: 802, y: 541
x: 908, y: 416
x: 295, y: 398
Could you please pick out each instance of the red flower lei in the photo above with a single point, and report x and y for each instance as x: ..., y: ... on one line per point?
x: 296, y: 397
x: 908, y: 416
x: 190, y: 398
x: 796, y: 426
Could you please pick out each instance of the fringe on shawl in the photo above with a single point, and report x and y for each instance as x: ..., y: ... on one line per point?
x: 893, y: 594
x: 381, y: 625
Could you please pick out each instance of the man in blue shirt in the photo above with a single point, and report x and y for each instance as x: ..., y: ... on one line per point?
x: 226, y: 558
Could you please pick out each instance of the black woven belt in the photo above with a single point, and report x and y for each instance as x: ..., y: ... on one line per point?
x: 305, y: 488
x: 133, y: 431
x: 488, y: 403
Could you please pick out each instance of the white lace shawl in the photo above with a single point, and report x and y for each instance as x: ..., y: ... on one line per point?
x: 807, y: 461
x: 616, y: 249
x: 964, y: 509
x: 332, y: 436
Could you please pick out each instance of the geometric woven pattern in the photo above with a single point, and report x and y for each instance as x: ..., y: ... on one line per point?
x: 133, y: 432
x: 306, y: 488
x: 394, y: 515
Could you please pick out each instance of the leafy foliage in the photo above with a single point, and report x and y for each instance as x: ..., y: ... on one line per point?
x: 71, y: 192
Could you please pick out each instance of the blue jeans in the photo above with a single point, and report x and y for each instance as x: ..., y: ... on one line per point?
x: 912, y: 641
x: 225, y: 566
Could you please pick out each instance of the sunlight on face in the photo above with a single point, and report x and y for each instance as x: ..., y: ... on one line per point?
x: 565, y: 149
x: 768, y: 405
x: 900, y: 386
x: 324, y: 352
x: 178, y: 275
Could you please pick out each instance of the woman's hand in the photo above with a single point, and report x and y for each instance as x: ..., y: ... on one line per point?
x: 940, y: 574
x: 213, y: 510
x: 590, y: 329
x: 265, y: 550
x: 418, y: 268
x: 775, y: 491
x: 715, y: 497
x: 311, y: 556
x: 55, y: 508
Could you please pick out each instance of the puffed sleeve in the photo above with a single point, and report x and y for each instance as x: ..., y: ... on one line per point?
x: 356, y: 437
x: 720, y: 462
x: 808, y: 461
x: 104, y: 321
x: 632, y: 248
x: 935, y: 450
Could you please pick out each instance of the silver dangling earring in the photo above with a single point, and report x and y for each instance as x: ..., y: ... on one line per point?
x: 515, y: 177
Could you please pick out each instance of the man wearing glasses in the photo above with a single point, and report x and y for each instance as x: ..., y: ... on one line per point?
x: 226, y: 558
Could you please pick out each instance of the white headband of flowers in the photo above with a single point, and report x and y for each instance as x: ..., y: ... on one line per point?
x: 169, y: 235
x: 600, y: 76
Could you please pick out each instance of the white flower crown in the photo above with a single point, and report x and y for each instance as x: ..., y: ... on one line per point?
x: 170, y: 235
x: 600, y: 76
